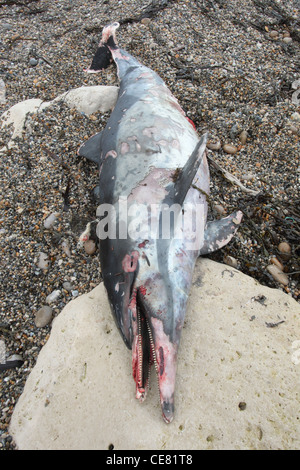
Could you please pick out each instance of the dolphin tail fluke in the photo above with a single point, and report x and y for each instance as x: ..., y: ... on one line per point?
x: 101, y: 60
x: 103, y: 57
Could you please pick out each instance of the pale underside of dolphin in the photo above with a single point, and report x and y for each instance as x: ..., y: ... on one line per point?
x: 154, y: 177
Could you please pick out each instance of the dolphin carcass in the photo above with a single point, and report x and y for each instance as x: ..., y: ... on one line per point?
x: 154, y: 184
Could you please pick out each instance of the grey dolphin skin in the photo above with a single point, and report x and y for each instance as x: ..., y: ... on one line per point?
x: 154, y: 181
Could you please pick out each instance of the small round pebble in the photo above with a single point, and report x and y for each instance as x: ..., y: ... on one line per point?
x: 33, y: 61
x: 50, y: 221
x: 243, y: 137
x: 277, y: 263
x: 43, y: 261
x: 68, y: 286
x: 66, y: 248
x: 231, y: 261
x: 278, y: 275
x: 219, y: 209
x: 295, y: 116
x: 231, y: 149
x: 284, y: 247
x: 43, y: 316
x: 145, y: 21
x: 284, y: 250
x: 90, y: 247
x: 213, y: 145
x: 53, y: 296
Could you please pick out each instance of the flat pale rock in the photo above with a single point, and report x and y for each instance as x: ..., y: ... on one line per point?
x: 88, y: 100
x: 16, y: 115
x: 237, y: 379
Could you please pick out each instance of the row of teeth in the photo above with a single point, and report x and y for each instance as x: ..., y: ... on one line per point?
x: 140, y: 352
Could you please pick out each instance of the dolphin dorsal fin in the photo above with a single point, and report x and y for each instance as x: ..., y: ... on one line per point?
x: 179, y: 188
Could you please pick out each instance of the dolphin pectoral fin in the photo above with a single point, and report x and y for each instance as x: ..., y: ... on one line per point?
x: 179, y: 188
x: 91, y: 149
x: 219, y: 232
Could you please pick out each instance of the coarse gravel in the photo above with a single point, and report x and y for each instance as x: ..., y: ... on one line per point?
x: 233, y: 65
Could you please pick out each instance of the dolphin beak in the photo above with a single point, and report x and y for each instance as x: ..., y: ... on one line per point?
x: 152, y: 346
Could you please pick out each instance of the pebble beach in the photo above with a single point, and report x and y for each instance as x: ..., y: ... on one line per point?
x: 234, y: 68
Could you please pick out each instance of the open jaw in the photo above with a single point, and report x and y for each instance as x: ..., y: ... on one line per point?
x: 149, y: 349
x: 143, y: 351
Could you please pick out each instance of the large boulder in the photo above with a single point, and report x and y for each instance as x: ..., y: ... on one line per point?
x: 237, y: 379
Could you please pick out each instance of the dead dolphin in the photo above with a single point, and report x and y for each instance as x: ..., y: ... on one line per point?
x: 154, y: 181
